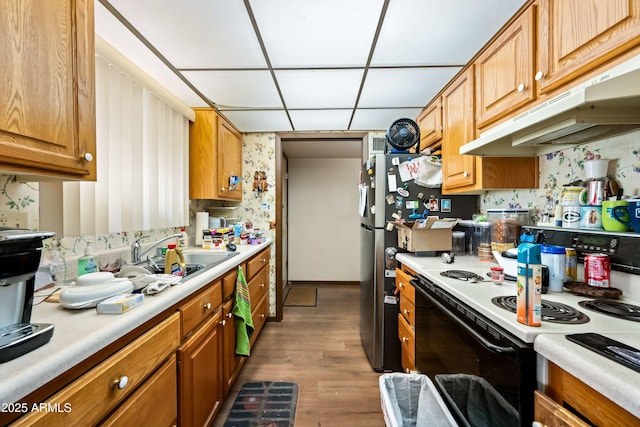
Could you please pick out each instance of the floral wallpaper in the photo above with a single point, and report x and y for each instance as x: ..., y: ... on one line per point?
x: 566, y: 166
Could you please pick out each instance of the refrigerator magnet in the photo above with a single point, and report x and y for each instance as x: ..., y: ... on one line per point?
x: 390, y: 199
x: 403, y: 192
x: 390, y: 226
x: 433, y: 205
x: 391, y: 179
x: 445, y: 205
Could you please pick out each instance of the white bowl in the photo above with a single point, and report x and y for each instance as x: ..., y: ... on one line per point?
x: 595, y: 169
x: 510, y: 265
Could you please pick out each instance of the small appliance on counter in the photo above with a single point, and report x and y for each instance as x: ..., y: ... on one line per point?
x: 20, y: 252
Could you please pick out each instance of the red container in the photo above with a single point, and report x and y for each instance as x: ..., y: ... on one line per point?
x: 597, y: 270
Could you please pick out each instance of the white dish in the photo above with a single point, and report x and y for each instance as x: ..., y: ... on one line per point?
x: 98, y: 278
x: 136, y: 274
x: 76, y: 297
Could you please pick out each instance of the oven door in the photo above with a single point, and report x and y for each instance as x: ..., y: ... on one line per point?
x: 470, y: 358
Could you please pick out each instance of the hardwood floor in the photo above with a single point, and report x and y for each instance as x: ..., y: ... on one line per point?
x: 318, y: 348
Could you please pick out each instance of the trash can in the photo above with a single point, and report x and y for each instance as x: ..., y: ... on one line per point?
x: 474, y: 402
x: 412, y: 400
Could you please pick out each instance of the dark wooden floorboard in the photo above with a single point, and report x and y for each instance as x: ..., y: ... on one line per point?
x: 319, y: 349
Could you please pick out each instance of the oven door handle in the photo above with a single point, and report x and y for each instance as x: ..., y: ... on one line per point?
x: 476, y: 335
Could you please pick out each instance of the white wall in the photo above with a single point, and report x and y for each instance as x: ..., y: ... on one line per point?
x: 324, y: 238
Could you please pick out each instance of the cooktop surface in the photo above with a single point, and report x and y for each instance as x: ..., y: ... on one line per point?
x: 478, y: 296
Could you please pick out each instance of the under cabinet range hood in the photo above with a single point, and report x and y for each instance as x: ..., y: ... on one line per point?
x: 604, y: 106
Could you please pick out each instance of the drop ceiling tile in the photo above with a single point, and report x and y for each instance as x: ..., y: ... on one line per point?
x: 319, y: 88
x: 120, y: 38
x: 326, y: 120
x: 259, y: 120
x: 238, y: 88
x: 381, y: 119
x: 317, y: 33
x: 196, y: 33
x: 418, y: 32
x: 403, y: 87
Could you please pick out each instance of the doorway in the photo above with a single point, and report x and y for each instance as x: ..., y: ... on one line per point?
x: 303, y: 155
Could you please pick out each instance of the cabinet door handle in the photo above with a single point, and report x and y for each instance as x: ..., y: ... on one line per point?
x: 406, y: 311
x: 229, y: 315
x: 405, y: 339
x: 207, y: 306
x: 262, y: 316
x: 521, y: 87
x: 223, y: 189
x: 262, y: 285
x: 263, y: 260
x: 121, y: 382
x: 466, y: 174
x: 88, y: 157
x: 224, y: 322
x: 401, y: 285
x: 539, y: 76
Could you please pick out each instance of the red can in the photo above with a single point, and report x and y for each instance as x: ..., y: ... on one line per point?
x: 597, y: 270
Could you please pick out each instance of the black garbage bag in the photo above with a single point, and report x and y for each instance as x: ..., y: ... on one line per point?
x: 474, y: 402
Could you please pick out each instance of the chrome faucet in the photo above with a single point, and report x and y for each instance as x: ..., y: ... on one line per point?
x: 136, y: 249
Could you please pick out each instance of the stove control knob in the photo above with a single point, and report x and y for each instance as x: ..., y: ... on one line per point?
x: 613, y: 243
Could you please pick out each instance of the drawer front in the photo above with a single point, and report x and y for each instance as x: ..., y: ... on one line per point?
x: 403, y: 283
x: 407, y: 337
x: 229, y: 283
x: 407, y: 309
x: 259, y: 316
x: 257, y: 262
x: 258, y: 286
x: 155, y: 402
x: 408, y: 364
x: 198, y: 308
x: 96, y: 393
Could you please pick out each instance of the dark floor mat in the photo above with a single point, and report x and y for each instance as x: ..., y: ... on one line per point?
x: 264, y: 404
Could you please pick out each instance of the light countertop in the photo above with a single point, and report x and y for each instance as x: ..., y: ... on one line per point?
x: 613, y: 380
x: 79, y: 334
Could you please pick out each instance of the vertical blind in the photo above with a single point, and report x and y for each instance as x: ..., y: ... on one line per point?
x: 142, y: 155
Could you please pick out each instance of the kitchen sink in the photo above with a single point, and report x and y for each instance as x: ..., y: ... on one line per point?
x: 209, y: 259
x: 195, y: 262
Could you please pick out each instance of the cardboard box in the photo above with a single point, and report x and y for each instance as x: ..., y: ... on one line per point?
x: 426, y: 235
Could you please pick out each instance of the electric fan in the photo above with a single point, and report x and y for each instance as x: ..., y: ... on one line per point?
x: 402, y: 135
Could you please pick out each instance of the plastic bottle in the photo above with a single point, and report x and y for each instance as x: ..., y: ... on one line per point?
x: 183, y: 241
x: 529, y: 286
x: 89, y: 262
x: 57, y: 266
x: 174, y: 261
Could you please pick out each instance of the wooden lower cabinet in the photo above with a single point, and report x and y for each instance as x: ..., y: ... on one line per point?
x: 549, y: 413
x: 200, y: 374
x: 153, y: 402
x: 231, y: 363
x: 95, y: 394
x: 406, y: 318
x: 568, y: 391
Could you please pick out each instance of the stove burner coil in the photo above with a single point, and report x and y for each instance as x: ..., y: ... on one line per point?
x: 552, y: 312
x: 616, y: 309
x: 467, y: 276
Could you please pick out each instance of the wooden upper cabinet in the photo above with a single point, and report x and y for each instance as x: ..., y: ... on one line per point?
x: 458, y: 128
x: 576, y: 36
x: 215, y: 154
x: 229, y: 160
x: 505, y: 71
x: 430, y: 124
x: 47, y: 108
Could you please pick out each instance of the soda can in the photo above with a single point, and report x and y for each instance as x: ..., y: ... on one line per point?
x: 597, y: 270
x: 571, y: 271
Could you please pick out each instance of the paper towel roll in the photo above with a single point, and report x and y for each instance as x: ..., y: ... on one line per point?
x: 202, y: 223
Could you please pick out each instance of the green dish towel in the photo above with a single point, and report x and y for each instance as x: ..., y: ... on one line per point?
x: 242, y: 312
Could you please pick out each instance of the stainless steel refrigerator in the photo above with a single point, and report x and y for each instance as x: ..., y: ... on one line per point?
x: 378, y: 204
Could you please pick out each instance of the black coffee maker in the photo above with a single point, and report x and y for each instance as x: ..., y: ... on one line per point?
x: 20, y: 252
